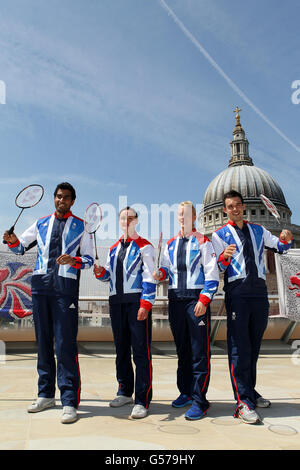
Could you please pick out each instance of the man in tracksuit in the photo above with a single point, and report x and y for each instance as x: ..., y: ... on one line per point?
x: 64, y: 248
x: 189, y: 261
x: 129, y: 269
x: 239, y: 246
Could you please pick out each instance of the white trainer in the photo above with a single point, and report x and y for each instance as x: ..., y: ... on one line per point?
x: 41, y: 404
x: 69, y: 415
x: 120, y: 400
x: 246, y: 415
x: 139, y: 411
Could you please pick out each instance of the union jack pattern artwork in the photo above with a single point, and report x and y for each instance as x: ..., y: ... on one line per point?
x: 288, y: 278
x: 15, y: 291
x: 295, y: 281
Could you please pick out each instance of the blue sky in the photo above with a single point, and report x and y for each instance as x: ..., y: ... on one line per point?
x: 128, y: 98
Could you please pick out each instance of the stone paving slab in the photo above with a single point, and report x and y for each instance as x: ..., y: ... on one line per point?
x: 102, y: 428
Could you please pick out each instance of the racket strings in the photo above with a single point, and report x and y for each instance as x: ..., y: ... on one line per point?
x: 93, y: 218
x: 29, y: 196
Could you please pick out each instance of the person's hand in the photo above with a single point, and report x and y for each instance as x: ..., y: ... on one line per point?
x: 142, y: 314
x: 157, y: 275
x: 229, y: 251
x: 10, y: 238
x: 286, y: 236
x: 66, y: 259
x: 98, y: 270
x: 199, y: 309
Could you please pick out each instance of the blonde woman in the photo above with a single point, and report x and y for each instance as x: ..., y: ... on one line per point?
x: 190, y: 264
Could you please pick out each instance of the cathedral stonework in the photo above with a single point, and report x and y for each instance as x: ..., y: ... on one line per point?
x: 243, y: 176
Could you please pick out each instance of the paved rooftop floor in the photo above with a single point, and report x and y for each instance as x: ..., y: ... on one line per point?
x: 165, y: 428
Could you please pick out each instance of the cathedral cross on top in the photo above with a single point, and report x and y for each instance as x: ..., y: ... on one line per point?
x: 237, y: 116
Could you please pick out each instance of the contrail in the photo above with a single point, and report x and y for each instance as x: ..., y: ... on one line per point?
x: 203, y: 51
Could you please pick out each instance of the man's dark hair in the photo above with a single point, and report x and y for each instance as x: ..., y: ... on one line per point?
x: 66, y: 186
x: 231, y: 194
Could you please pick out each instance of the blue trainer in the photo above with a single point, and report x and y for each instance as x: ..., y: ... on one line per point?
x: 182, y: 401
x: 194, y: 413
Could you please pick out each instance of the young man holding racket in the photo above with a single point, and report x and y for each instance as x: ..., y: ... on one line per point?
x: 239, y: 246
x: 64, y: 248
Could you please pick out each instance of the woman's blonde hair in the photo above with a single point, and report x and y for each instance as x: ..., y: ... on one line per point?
x: 190, y: 204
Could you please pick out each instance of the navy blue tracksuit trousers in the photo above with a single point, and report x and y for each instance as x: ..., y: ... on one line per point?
x: 129, y: 332
x: 56, y: 323
x: 247, y: 319
x: 191, y: 336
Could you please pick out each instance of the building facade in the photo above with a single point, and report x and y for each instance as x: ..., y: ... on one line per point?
x: 243, y: 176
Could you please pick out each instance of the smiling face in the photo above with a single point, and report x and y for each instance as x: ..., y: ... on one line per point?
x: 63, y: 201
x: 128, y: 221
x: 234, y: 208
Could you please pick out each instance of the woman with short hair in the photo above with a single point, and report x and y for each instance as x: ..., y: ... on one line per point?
x: 128, y: 269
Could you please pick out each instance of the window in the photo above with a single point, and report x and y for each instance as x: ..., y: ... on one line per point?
x: 253, y: 212
x: 262, y: 212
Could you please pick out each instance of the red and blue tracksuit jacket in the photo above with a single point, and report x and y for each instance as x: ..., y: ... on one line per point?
x: 191, y: 266
x: 246, y: 300
x: 53, y: 237
x: 129, y: 271
x: 245, y: 272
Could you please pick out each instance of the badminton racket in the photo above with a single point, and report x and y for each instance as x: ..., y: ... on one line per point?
x: 92, y: 221
x: 271, y: 208
x: 27, y: 198
x: 159, y: 247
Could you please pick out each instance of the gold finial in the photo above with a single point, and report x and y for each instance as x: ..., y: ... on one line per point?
x: 237, y: 116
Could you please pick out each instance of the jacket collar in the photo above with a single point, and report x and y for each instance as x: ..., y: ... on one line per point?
x: 128, y: 240
x: 68, y: 214
x: 230, y: 222
x: 187, y: 235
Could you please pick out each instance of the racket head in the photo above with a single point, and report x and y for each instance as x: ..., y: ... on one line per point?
x: 29, y: 196
x: 270, y: 206
x: 92, y: 218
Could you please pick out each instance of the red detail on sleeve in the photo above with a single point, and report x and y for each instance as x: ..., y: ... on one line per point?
x: 78, y: 262
x: 13, y: 245
x: 204, y: 300
x: 145, y: 304
x: 164, y: 274
x: 223, y: 261
x: 102, y: 273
